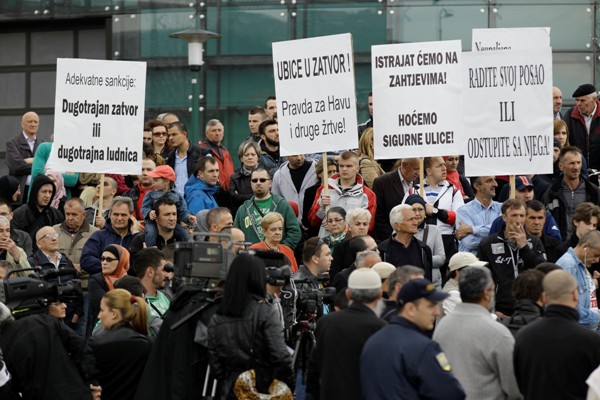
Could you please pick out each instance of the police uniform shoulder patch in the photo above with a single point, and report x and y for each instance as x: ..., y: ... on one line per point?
x: 443, y: 361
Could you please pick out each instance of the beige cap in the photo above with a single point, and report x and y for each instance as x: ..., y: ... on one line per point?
x: 384, y: 269
x: 464, y: 259
x: 364, y: 278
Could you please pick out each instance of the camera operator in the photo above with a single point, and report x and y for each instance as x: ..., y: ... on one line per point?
x: 46, y: 359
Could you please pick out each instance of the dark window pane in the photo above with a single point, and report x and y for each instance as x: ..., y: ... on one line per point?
x: 12, y: 87
x: 92, y: 44
x: 42, y: 89
x: 12, y: 48
x: 46, y: 47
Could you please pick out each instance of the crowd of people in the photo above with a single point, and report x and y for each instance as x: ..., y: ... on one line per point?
x: 446, y: 288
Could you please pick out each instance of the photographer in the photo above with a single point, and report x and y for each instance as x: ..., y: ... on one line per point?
x: 46, y: 359
x: 245, y: 333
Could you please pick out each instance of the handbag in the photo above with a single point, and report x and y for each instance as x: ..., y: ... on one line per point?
x: 245, y: 384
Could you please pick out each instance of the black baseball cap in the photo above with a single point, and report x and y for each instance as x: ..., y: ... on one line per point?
x: 416, y: 289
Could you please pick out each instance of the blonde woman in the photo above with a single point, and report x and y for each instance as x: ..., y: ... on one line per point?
x: 272, y: 227
x: 369, y: 168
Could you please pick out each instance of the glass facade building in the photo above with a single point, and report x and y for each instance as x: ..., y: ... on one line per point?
x: 238, y: 72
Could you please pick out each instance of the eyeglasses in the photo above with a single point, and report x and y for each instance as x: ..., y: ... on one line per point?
x: 261, y: 180
x: 50, y: 236
x: 335, y: 220
x: 108, y: 259
x: 159, y: 133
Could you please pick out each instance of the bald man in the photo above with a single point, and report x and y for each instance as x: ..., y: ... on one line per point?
x: 556, y: 339
x: 21, y: 149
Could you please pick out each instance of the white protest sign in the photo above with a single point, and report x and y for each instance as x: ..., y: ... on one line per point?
x: 99, y: 116
x: 507, y: 123
x: 316, y: 100
x: 510, y: 39
x: 417, y: 99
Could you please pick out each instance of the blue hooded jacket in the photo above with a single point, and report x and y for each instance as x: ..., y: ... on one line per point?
x: 199, y: 195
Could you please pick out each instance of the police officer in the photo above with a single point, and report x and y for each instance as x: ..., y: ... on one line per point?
x: 400, y: 361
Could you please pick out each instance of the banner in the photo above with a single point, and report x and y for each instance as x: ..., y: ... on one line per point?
x: 508, y: 123
x: 417, y: 99
x: 510, y: 39
x: 99, y: 116
x: 316, y: 100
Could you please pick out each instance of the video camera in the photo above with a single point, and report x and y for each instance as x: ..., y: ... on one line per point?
x: 206, y: 264
x: 34, y: 293
x: 304, y: 300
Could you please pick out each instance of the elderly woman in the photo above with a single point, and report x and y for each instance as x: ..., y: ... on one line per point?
x: 357, y: 223
x: 369, y: 168
x: 115, y: 264
x: 122, y: 350
x: 336, y: 226
x: 272, y: 227
x: 239, y: 182
x: 430, y: 235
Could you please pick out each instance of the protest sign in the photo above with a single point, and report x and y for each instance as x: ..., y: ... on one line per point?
x: 510, y: 39
x: 316, y: 100
x: 417, y: 99
x: 508, y: 121
x: 99, y: 116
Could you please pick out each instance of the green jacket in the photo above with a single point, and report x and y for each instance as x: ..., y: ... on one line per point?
x: 253, y: 230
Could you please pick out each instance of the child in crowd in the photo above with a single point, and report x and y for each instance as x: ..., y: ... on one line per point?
x: 163, y: 181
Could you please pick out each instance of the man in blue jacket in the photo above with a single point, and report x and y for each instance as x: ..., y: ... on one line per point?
x: 200, y: 189
x: 119, y: 229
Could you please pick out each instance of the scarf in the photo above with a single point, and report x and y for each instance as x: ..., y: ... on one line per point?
x: 454, y: 178
x: 122, y: 255
x: 59, y: 184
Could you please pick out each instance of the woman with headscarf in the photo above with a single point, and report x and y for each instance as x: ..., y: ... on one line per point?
x: 430, y: 235
x: 10, y: 190
x: 60, y: 193
x: 115, y: 264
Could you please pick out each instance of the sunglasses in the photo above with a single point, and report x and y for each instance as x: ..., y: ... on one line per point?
x: 159, y: 134
x: 107, y: 259
x: 261, y: 180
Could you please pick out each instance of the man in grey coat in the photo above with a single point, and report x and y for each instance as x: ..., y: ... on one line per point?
x: 479, y: 348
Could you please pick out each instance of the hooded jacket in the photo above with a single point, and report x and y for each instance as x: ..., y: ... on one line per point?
x: 199, y: 195
x: 29, y: 218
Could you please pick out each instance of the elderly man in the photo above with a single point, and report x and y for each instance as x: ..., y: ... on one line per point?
x: 404, y: 248
x: 333, y: 367
x: 390, y: 190
x: 215, y: 132
x: 9, y: 251
x: 583, y: 121
x: 250, y: 214
x: 21, y: 149
x: 556, y: 339
x: 49, y: 258
x: 119, y: 229
x: 577, y: 262
x: 143, y: 186
x: 460, y: 260
x: 474, y: 219
x: 479, y: 348
x: 400, y: 361
x: 396, y: 280
x: 557, y: 100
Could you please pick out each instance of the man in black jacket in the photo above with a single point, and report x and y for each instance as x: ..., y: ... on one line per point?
x: 556, y: 339
x: 37, y: 212
x: 569, y: 190
x: 404, y: 248
x: 510, y: 252
x: 334, y: 370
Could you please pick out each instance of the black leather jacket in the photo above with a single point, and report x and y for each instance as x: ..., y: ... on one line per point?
x: 231, y: 350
